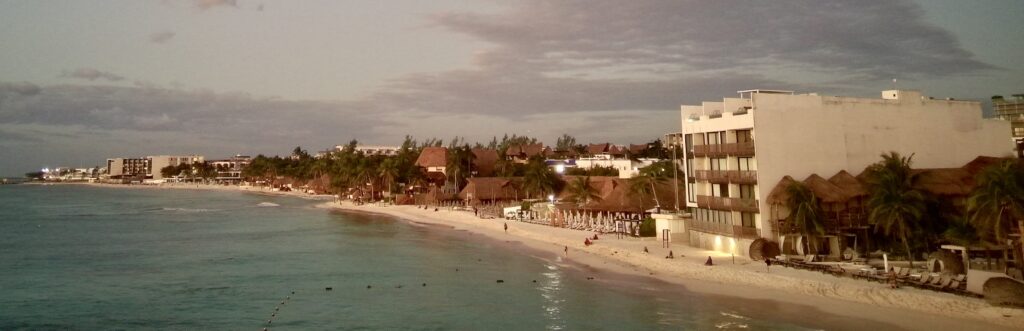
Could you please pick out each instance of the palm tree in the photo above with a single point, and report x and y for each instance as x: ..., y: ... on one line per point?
x: 388, y: 172
x: 538, y: 177
x: 998, y: 200
x: 805, y: 213
x: 581, y: 191
x: 896, y: 207
x: 460, y: 162
x: 638, y: 186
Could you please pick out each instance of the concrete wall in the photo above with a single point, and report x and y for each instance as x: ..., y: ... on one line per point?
x: 719, y: 243
x: 800, y: 135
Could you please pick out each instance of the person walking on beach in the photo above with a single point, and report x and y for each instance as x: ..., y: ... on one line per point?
x: 506, y: 227
x: 566, y: 250
x: 767, y: 265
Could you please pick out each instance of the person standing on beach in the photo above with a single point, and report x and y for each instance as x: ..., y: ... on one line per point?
x: 506, y: 227
x: 767, y: 265
x: 566, y: 250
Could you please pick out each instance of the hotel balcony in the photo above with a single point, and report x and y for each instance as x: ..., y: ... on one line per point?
x: 742, y: 176
x: 742, y: 149
x: 726, y: 176
x: 728, y: 204
x: 730, y: 230
x: 713, y: 176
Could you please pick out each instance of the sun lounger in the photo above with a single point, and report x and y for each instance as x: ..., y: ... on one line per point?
x: 925, y: 278
x: 943, y: 283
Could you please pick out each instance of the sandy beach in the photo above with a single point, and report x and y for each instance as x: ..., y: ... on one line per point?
x: 906, y: 307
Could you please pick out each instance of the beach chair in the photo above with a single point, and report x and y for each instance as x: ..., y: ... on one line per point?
x: 920, y: 283
x: 944, y: 282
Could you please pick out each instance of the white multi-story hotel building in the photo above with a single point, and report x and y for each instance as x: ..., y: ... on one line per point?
x: 738, y: 149
x: 161, y: 161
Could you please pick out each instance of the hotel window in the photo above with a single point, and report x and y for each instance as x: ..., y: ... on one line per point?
x: 744, y: 163
x: 720, y: 190
x: 718, y: 164
x: 689, y: 143
x: 716, y: 138
x: 748, y: 220
x: 746, y: 191
x: 743, y: 136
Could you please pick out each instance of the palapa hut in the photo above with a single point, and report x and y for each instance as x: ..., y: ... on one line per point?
x: 841, y: 199
x: 490, y: 190
x: 434, y: 160
x: 523, y: 153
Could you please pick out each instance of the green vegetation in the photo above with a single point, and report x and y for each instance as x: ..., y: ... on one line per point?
x: 805, y: 214
x: 648, y: 228
x: 595, y: 171
x: 896, y: 206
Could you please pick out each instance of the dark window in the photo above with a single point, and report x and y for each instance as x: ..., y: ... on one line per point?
x: 748, y: 220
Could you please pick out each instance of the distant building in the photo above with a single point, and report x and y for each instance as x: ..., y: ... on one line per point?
x: 523, y: 153
x: 1011, y: 110
x: 230, y: 169
x: 672, y: 139
x: 162, y: 161
x: 121, y: 168
x: 738, y: 149
x: 434, y: 161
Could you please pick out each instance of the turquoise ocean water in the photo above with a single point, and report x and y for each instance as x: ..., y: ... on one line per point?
x: 89, y: 258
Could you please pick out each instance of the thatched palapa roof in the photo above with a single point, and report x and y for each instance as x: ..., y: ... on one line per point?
x: 850, y: 187
x: 433, y: 157
x: 491, y: 188
x: 824, y: 190
x: 779, y: 195
x: 484, y: 161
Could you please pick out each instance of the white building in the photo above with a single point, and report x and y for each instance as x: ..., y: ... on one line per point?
x: 627, y: 168
x: 162, y: 161
x: 738, y: 149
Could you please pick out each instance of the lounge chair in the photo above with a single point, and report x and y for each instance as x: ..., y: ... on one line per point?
x: 925, y: 278
x: 943, y: 283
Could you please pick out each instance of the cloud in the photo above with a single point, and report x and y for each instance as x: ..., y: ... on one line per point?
x: 608, y: 55
x: 161, y: 37
x: 90, y: 74
x: 207, y: 4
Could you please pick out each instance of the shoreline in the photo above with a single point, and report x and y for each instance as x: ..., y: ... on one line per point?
x: 745, y: 279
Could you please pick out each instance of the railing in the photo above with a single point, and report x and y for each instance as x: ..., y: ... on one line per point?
x: 743, y: 205
x: 725, y: 203
x: 712, y: 150
x: 731, y: 149
x: 711, y: 202
x: 723, y: 229
x: 742, y: 176
x: 714, y: 176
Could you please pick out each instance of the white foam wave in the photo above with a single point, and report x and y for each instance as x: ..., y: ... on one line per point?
x: 187, y: 210
x: 267, y: 204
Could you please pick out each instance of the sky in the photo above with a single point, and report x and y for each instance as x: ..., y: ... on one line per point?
x: 82, y: 81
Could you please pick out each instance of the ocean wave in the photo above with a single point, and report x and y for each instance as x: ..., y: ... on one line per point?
x: 267, y: 204
x: 187, y: 210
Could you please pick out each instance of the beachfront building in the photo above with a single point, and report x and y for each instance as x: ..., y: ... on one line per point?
x: 230, y: 170
x: 123, y: 168
x: 738, y: 149
x: 159, y: 162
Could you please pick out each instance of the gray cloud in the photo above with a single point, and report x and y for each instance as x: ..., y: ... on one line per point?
x: 90, y: 74
x: 161, y: 37
x: 207, y: 4
x: 609, y: 55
